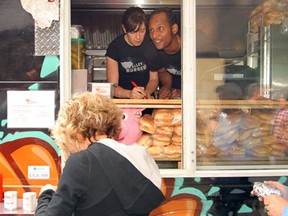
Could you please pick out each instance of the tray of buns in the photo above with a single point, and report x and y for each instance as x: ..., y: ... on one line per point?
x: 162, y: 134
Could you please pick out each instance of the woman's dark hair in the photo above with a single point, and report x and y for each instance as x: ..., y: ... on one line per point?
x: 171, y: 16
x: 132, y: 18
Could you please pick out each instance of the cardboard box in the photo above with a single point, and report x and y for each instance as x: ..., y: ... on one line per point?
x: 101, y: 88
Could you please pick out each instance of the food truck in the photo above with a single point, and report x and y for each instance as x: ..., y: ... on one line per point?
x: 211, y: 144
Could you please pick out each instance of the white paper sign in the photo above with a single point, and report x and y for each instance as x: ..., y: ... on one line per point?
x: 38, y: 172
x: 30, y: 109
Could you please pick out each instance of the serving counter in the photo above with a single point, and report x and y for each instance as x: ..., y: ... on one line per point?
x: 148, y: 103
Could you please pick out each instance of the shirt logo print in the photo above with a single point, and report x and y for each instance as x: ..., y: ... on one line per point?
x: 174, y: 71
x: 132, y: 67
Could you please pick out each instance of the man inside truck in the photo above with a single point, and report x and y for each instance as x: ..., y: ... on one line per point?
x: 165, y: 55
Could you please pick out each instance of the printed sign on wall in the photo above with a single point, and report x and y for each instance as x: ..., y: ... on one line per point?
x: 30, y: 109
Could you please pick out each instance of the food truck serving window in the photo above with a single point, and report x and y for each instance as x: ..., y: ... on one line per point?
x: 230, y: 118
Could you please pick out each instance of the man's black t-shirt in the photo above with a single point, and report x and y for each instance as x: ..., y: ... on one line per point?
x: 157, y: 59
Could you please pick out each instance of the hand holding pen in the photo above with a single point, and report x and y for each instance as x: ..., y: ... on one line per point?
x: 139, y: 90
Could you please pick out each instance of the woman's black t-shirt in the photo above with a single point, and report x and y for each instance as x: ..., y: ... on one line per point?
x: 132, y: 65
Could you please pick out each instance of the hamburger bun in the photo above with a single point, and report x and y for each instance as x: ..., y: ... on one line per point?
x: 162, y: 117
x: 269, y: 140
x: 146, y: 124
x: 160, y: 137
x: 162, y: 143
x: 237, y: 151
x: 260, y: 151
x: 155, y: 151
x: 245, y: 134
x: 278, y: 147
x: 252, y: 142
x: 177, y: 117
x: 164, y: 131
x: 276, y: 153
x: 206, y: 151
x: 178, y: 130
x: 251, y: 122
x: 145, y: 140
x: 176, y: 139
x: 172, y: 149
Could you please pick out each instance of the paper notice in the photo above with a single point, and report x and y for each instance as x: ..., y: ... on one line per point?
x: 30, y: 109
x: 42, y: 11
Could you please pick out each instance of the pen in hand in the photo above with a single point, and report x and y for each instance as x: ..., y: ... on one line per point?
x: 135, y: 85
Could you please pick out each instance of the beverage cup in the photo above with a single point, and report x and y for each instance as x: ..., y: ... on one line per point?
x: 10, y: 200
x: 29, y: 201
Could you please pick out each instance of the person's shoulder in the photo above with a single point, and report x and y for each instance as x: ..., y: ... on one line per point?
x: 117, y: 41
x: 78, y: 156
x: 141, y: 150
x: 151, y: 52
x: 115, y: 47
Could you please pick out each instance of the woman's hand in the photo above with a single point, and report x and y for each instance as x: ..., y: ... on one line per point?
x: 138, y: 93
x: 274, y: 204
x: 47, y: 187
x: 279, y: 186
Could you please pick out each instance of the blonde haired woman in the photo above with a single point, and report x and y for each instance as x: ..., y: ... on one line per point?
x: 101, y: 176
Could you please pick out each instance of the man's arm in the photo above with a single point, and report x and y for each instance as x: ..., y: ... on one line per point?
x: 165, y: 78
x: 166, y: 82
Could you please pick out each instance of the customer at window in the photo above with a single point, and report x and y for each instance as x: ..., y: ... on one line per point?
x: 276, y: 205
x: 125, y: 58
x: 280, y: 121
x: 101, y: 176
x: 166, y: 58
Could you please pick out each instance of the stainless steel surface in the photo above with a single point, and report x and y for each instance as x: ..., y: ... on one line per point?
x: 265, y: 76
x: 228, y: 2
x: 153, y: 3
x: 47, y: 40
x: 274, y: 62
x: 98, y: 69
x: 123, y: 3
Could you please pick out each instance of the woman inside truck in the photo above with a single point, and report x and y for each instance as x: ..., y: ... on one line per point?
x: 126, y: 65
